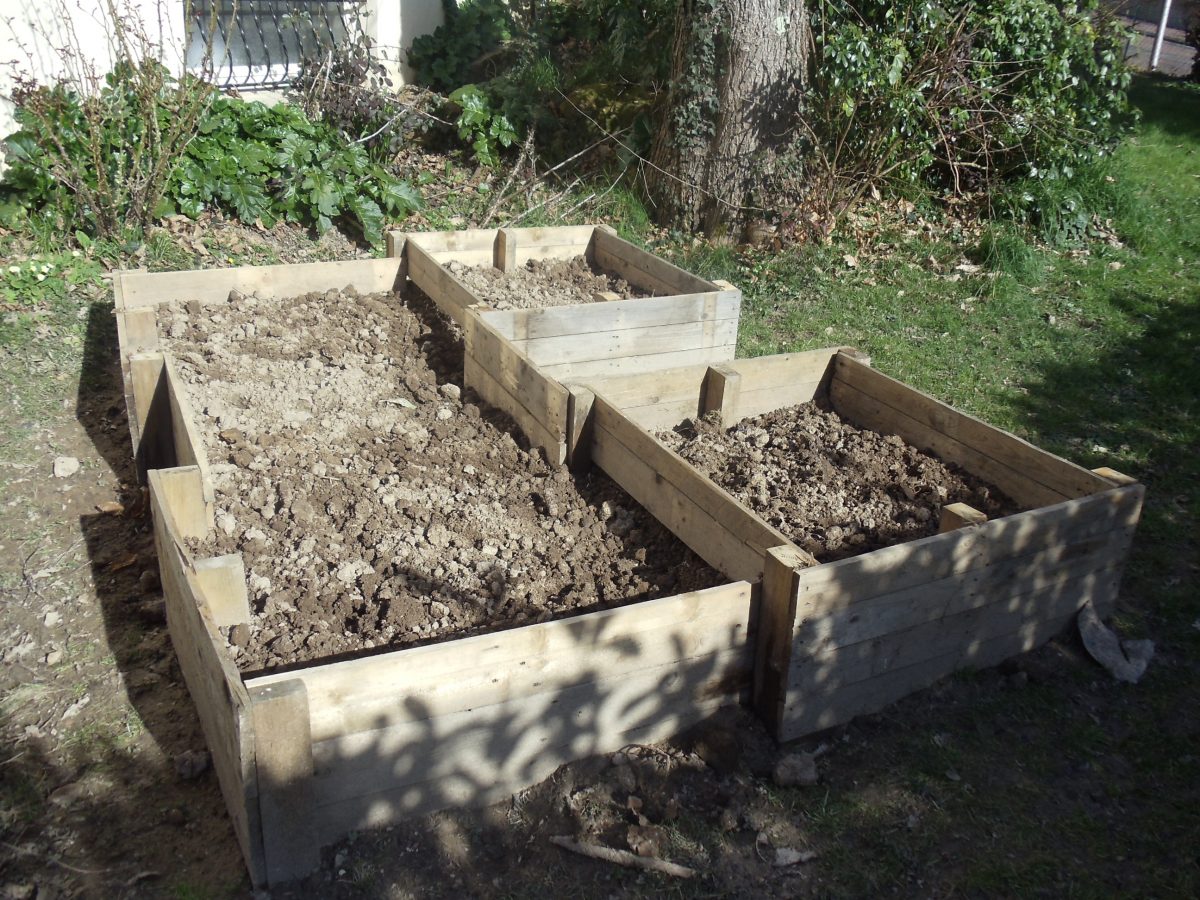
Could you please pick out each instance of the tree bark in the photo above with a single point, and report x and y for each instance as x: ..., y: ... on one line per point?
x: 738, y: 75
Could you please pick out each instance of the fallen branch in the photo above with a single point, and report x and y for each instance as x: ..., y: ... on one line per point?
x: 622, y: 857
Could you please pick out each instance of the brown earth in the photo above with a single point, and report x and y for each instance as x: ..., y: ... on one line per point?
x: 374, y: 504
x: 836, y: 490
x: 538, y: 283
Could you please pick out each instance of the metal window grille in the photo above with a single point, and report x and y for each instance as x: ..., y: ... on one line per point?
x: 260, y: 43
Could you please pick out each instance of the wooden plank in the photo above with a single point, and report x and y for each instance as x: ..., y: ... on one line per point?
x: 182, y: 489
x: 1005, y: 449
x: 721, y: 530
x: 722, y: 393
x: 782, y: 369
x: 883, y: 615
x: 362, y: 695
x: 459, y: 758
x: 223, y: 584
x: 826, y: 709
x: 756, y: 403
x: 506, y: 250
x: 189, y: 447
x: 477, y: 379
x: 959, y: 515
x: 579, y: 427
x: 448, y: 293
x: 137, y: 331
x: 640, y: 390
x: 544, y: 397
x: 222, y: 702
x: 1114, y: 477
x: 642, y: 269
x: 284, y: 765
x: 663, y: 416
x: 578, y: 349
x: 651, y: 362
x: 367, y: 276
x: 615, y: 315
x: 538, y: 758
x: 773, y: 640
x: 149, y: 395
x: 868, y: 412
x: 841, y: 584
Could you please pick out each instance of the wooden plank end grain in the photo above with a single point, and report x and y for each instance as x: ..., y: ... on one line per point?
x: 776, y: 625
x: 1112, y: 475
x: 284, y: 766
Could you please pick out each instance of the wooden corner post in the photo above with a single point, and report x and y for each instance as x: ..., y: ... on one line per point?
x: 722, y: 389
x: 776, y: 626
x: 284, y: 764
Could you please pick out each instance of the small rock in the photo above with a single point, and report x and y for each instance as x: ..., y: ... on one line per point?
x: 148, y: 581
x: 65, y: 466
x: 51, y: 619
x: 796, y: 769
x: 152, y: 612
x: 647, y: 840
x: 786, y: 856
x: 450, y: 391
x: 54, y: 657
x: 65, y: 797
x: 191, y: 764
x: 227, y: 523
x: 75, y: 708
x: 445, y: 413
x: 239, y: 635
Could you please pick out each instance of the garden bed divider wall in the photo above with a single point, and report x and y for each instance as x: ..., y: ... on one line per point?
x: 844, y: 638
x: 306, y: 755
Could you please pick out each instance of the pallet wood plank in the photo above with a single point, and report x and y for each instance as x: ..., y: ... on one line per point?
x: 360, y: 695
x: 885, y: 614
x: 645, y: 364
x: 721, y: 530
x: 221, y: 700
x: 284, y: 766
x: 543, y: 396
x: 367, y: 276
x: 615, y: 315
x: 449, y: 294
x: 578, y: 349
x: 722, y: 393
x: 508, y: 742
x: 477, y: 379
x: 642, y: 269
x: 814, y: 713
x: 1005, y: 449
x: 773, y: 640
x: 223, y: 582
x: 841, y: 584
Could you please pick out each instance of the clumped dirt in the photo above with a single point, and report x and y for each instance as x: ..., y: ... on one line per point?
x: 374, y: 504
x: 539, y: 283
x: 835, y: 489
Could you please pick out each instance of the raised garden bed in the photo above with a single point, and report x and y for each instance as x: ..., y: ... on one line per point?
x: 519, y: 359
x: 845, y: 637
x: 306, y: 754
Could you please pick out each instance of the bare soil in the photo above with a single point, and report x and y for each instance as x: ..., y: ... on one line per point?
x: 374, y: 504
x: 836, y: 490
x: 539, y: 283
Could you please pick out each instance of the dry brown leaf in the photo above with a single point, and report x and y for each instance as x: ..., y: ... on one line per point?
x: 111, y: 508
x: 122, y: 562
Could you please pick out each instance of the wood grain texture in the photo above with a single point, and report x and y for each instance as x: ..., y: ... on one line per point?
x: 367, y: 276
x: 449, y: 294
x: 614, y: 315
x: 221, y: 700
x: 554, y: 443
x: 542, y: 396
x: 642, y: 269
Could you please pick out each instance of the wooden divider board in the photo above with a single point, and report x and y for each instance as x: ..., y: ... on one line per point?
x: 478, y: 246
x: 467, y: 721
x: 222, y: 701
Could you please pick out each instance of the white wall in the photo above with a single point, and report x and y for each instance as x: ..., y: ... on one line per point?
x: 33, y: 34
x: 52, y: 40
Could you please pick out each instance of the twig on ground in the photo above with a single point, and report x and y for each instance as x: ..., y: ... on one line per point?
x: 622, y: 857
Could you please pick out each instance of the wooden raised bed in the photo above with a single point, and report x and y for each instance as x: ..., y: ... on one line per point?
x: 305, y: 756
x: 518, y: 360
x: 844, y: 638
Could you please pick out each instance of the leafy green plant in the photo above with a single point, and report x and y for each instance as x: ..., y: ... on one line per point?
x: 270, y: 163
x: 485, y: 129
x: 445, y: 59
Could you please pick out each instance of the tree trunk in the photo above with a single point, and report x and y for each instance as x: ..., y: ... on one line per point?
x: 738, y: 75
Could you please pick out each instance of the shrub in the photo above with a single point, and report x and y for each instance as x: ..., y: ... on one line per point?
x: 445, y: 59
x: 962, y: 97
